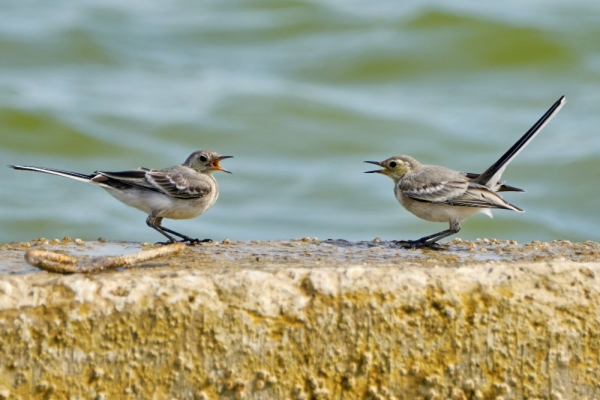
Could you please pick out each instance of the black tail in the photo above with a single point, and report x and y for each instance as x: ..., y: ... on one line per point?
x: 493, y: 173
x: 66, y: 174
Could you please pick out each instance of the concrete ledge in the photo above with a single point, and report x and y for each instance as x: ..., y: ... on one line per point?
x: 307, y: 320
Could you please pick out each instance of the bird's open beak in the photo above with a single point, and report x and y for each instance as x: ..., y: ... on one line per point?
x: 375, y: 171
x: 215, y: 164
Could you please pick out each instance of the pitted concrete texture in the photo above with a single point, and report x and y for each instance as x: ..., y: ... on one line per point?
x: 305, y: 319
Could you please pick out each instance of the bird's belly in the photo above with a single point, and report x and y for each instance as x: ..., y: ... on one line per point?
x: 187, y: 209
x: 164, y: 206
x: 437, y: 212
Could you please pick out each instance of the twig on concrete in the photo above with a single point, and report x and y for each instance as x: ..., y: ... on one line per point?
x: 63, y: 264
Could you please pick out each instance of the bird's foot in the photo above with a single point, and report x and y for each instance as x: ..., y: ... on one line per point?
x: 165, y: 243
x: 192, y: 242
x: 418, y: 244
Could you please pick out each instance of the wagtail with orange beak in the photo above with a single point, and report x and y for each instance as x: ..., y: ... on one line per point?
x: 181, y: 192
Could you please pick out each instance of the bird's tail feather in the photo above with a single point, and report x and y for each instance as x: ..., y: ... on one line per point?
x: 66, y: 174
x: 493, y: 173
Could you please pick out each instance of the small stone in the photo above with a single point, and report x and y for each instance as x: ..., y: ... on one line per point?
x: 239, y: 385
x: 239, y: 395
x: 433, y: 394
x: 261, y: 374
x: 457, y: 394
x: 200, y: 396
x: 415, y: 369
x: 469, y: 385
x: 41, y: 241
x: 97, y: 373
x: 556, y: 396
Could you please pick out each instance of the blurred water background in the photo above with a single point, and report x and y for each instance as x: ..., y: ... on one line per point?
x: 300, y: 92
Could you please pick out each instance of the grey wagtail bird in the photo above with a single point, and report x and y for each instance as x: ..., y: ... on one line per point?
x: 438, y: 194
x: 181, y: 192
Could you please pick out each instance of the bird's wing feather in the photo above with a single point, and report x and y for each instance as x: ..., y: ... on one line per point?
x: 433, y: 184
x: 433, y: 192
x: 501, y: 186
x: 124, y: 179
x: 179, y: 184
x: 442, y: 186
x: 173, y: 182
x: 481, y: 197
x: 133, y: 175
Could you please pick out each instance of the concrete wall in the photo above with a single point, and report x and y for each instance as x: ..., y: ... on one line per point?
x: 251, y: 329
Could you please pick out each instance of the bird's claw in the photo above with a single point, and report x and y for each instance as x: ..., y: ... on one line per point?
x: 165, y: 243
x: 192, y: 242
x: 418, y: 244
x: 187, y: 240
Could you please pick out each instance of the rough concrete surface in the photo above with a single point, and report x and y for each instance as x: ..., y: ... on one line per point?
x: 305, y: 319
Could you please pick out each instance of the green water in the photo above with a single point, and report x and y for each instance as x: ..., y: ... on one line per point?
x: 300, y: 92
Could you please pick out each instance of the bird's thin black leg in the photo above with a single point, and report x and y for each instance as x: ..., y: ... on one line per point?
x: 154, y: 223
x: 431, y: 240
x: 186, y: 238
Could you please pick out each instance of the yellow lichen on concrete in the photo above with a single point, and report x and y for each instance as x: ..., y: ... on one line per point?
x: 210, y: 329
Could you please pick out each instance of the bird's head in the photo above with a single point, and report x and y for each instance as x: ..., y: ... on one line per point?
x: 205, y: 161
x: 395, y: 167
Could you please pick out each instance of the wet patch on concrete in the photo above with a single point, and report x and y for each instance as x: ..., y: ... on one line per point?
x: 12, y: 259
x: 310, y: 253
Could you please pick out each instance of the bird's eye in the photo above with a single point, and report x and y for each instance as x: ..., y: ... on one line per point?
x: 203, y: 158
x: 393, y: 164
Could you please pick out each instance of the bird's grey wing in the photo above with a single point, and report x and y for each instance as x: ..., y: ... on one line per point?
x: 433, y: 184
x: 433, y: 192
x: 134, y: 175
x: 481, y: 197
x: 442, y: 186
x: 180, y: 183
x: 503, y: 187
x: 125, y: 179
